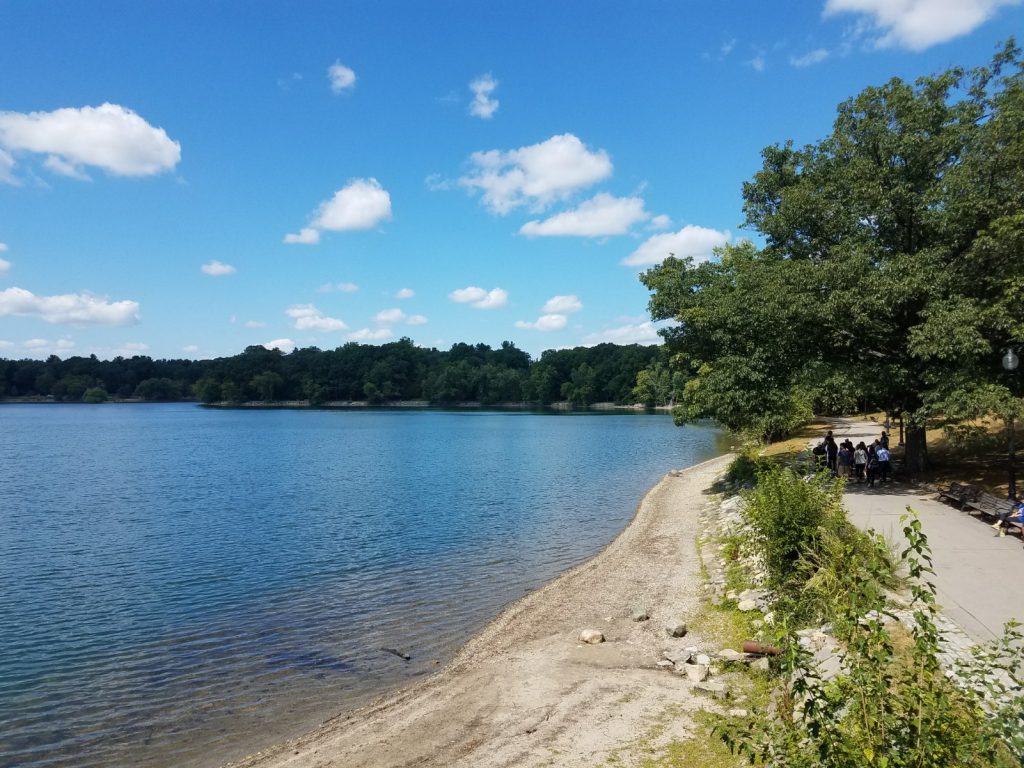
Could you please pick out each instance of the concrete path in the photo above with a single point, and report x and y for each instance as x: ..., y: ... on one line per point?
x: 978, y: 575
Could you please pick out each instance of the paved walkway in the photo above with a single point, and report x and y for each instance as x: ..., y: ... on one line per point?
x: 978, y: 575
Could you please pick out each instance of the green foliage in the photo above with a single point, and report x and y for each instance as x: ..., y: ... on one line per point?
x: 95, y: 395
x: 207, y: 390
x: 786, y: 516
x: 891, y: 270
x: 747, y: 467
x: 159, y: 389
x: 893, y: 705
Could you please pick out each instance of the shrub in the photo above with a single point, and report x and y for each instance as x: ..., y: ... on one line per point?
x: 95, y: 395
x: 746, y: 467
x: 786, y: 514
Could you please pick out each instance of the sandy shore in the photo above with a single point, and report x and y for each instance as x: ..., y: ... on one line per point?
x: 524, y: 691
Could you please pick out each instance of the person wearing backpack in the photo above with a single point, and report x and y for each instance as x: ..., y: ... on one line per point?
x: 884, y: 457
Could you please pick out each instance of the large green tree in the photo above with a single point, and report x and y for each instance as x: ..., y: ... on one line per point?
x: 893, y: 264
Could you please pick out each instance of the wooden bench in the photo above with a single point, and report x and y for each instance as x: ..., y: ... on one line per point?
x: 959, y: 494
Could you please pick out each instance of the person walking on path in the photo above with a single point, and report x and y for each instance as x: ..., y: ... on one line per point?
x: 845, y: 459
x: 860, y: 461
x: 884, y: 440
x: 872, y: 463
x: 883, y: 456
x: 831, y: 453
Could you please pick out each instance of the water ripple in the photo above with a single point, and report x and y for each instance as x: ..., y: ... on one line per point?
x: 181, y: 586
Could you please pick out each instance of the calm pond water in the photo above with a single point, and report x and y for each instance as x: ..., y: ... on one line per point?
x: 182, y: 586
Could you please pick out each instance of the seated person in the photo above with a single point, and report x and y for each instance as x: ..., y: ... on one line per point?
x: 1014, y: 515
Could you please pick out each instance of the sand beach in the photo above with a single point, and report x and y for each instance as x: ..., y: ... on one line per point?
x: 525, y: 691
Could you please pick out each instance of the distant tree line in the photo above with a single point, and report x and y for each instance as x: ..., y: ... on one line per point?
x: 359, y: 372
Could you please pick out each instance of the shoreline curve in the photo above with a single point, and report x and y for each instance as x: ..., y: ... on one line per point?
x: 515, y: 689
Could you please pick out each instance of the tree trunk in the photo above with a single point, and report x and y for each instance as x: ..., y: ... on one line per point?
x: 915, y: 460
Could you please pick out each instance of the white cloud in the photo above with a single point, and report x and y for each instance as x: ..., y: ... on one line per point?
x: 390, y: 316
x: 6, y: 166
x: 190, y: 348
x: 6, y: 344
x: 340, y: 287
x: 109, y: 136
x: 254, y: 324
x: 285, y: 345
x: 341, y: 77
x: 600, y: 216
x: 45, y: 347
x: 217, y: 268
x: 551, y: 322
x: 641, y: 333
x: 405, y: 293
x: 362, y: 204
x: 305, y: 236
x: 73, y: 308
x: 3, y: 247
x: 307, y: 317
x: 416, y: 320
x: 535, y: 175
x: 130, y: 349
x: 478, y: 298
x: 691, y: 240
x: 757, y: 63
x: 919, y: 24
x: 5, y: 266
x: 810, y: 58
x: 562, y: 305
x: 62, y: 167
x: 367, y: 334
x: 483, y: 106
x: 660, y: 222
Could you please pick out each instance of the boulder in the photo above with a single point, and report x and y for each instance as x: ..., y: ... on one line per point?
x: 747, y: 605
x: 698, y: 673
x: 718, y: 690
x: 678, y: 629
x: 728, y: 654
x: 640, y: 615
x: 703, y: 658
x: 591, y: 636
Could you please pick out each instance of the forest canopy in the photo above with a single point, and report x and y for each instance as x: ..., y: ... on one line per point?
x: 358, y: 372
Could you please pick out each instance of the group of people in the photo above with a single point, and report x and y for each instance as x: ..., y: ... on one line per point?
x: 866, y: 463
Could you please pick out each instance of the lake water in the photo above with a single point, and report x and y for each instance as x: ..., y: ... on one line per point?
x: 181, y: 586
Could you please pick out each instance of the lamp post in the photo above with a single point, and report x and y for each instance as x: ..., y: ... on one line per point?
x: 1010, y: 363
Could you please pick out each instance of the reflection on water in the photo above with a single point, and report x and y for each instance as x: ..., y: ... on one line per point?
x: 181, y: 586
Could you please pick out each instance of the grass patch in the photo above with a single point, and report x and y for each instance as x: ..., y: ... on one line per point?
x: 704, y: 750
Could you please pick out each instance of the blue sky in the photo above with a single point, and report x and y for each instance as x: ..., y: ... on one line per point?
x: 185, y: 179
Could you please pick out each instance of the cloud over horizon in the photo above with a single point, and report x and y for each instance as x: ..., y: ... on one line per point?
x: 69, y: 308
x: 307, y: 317
x: 918, y: 24
x: 478, y: 298
x: 696, y: 242
x: 110, y: 137
x: 361, y: 204
x: 217, y: 268
x: 601, y: 216
x: 534, y: 176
